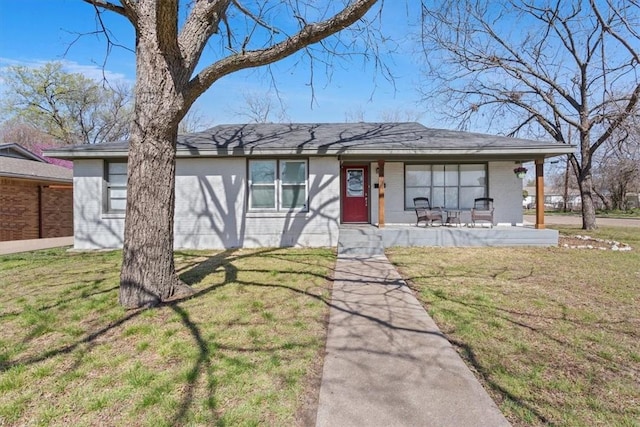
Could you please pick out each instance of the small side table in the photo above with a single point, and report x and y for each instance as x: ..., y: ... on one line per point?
x: 453, y: 218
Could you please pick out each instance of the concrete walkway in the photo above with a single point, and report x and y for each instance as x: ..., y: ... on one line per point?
x: 15, y: 246
x: 387, y: 363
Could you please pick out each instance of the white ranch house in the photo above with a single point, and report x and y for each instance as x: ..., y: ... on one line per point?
x: 271, y: 185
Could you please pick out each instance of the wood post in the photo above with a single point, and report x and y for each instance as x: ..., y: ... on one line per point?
x: 540, y: 193
x: 380, y: 193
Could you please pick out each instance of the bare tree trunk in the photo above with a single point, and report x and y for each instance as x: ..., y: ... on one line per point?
x: 565, y: 196
x: 585, y: 183
x: 148, y: 274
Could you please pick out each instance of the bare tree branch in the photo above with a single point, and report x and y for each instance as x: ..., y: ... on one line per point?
x: 310, y: 33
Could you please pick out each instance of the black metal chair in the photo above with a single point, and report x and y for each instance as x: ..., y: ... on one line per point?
x: 425, y: 213
x: 482, y: 210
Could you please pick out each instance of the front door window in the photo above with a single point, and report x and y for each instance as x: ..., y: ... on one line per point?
x: 355, y: 183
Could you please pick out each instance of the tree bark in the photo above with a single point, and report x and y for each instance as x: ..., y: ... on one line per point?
x: 166, y: 58
x: 585, y: 183
x: 148, y: 274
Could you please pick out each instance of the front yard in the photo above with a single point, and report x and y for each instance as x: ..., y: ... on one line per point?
x: 245, y: 351
x: 553, y: 334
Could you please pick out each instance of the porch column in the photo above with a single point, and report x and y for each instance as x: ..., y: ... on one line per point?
x: 540, y: 193
x: 380, y: 193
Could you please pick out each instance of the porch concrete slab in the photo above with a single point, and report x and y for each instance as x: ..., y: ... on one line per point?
x: 15, y: 246
x: 406, y: 235
x: 387, y: 363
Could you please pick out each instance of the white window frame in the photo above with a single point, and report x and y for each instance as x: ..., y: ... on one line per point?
x: 109, y: 186
x: 278, y: 185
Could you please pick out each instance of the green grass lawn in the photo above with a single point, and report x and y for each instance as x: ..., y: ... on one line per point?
x: 552, y: 333
x: 245, y: 351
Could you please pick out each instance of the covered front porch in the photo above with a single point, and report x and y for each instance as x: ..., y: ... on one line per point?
x: 367, y: 240
x: 381, y: 183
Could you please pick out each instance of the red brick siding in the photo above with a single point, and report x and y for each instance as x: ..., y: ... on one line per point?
x: 57, y: 212
x: 19, y: 217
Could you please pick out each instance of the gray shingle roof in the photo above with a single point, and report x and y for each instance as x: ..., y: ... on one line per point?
x: 345, y: 139
x: 18, y: 151
x: 29, y: 169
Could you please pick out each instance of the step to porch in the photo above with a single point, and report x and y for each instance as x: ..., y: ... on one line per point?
x: 360, y: 240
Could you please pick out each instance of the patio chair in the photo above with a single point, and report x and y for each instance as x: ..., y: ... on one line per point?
x: 482, y: 210
x: 425, y: 213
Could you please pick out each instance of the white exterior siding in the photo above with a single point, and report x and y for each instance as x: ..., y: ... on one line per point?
x: 211, y: 211
x: 393, y: 195
x: 506, y: 190
x: 92, y: 228
x: 210, y: 198
x: 211, y: 208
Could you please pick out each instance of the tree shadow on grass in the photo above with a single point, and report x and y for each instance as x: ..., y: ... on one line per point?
x: 196, y: 271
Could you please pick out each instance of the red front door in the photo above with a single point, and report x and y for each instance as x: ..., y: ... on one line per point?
x: 355, y: 193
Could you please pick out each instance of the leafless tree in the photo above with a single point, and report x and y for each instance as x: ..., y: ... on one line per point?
x: 617, y: 170
x: 354, y: 115
x: 19, y: 132
x: 171, y: 36
x: 538, y: 68
x: 194, y: 121
x: 263, y: 108
x: 400, y: 115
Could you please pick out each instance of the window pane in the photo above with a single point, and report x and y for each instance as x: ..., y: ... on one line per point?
x: 263, y: 197
x: 262, y: 171
x: 293, y: 196
x: 118, y: 204
x: 451, y: 175
x: 117, y: 199
x: 293, y: 172
x: 437, y: 197
x: 410, y: 193
x: 451, y: 197
x: 472, y: 175
x: 438, y: 174
x: 468, y: 194
x: 355, y: 182
x: 117, y: 179
x: 116, y: 186
x: 117, y: 193
x: 118, y: 168
x: 418, y: 176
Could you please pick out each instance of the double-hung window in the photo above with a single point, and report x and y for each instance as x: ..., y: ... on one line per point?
x: 278, y: 185
x: 453, y: 186
x: 116, y: 186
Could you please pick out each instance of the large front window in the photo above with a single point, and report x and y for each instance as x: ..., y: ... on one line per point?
x: 452, y: 186
x: 278, y: 185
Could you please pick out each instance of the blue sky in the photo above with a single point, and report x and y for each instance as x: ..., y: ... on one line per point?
x: 36, y: 31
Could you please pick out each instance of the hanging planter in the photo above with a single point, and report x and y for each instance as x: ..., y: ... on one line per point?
x: 520, y: 171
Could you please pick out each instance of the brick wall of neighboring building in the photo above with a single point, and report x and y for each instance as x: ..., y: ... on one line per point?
x: 19, y: 215
x: 57, y: 212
